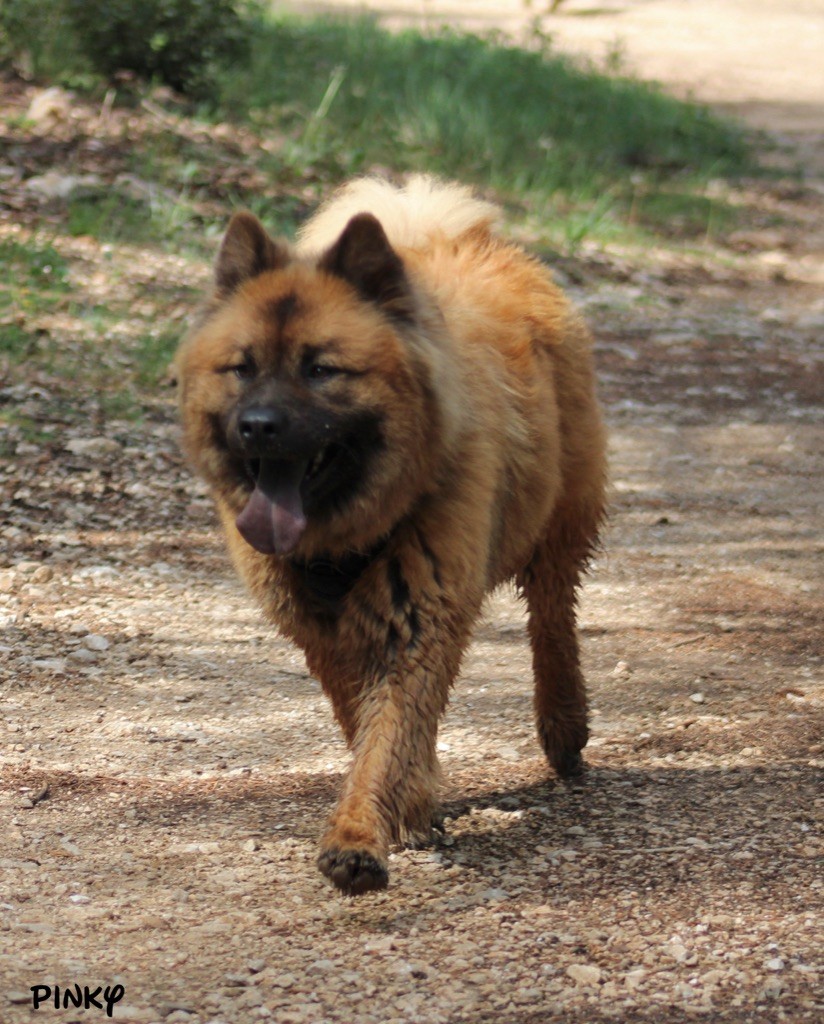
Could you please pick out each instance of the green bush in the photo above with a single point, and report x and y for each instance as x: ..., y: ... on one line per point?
x: 178, y: 42
x: 35, y: 35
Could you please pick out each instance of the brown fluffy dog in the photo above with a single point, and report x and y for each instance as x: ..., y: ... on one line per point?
x: 394, y: 418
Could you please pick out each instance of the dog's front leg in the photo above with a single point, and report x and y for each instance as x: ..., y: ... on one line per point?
x: 390, y: 792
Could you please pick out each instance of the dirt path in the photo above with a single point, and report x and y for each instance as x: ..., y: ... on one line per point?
x: 168, y: 762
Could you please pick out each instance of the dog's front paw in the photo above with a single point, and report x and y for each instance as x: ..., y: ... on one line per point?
x: 353, y: 871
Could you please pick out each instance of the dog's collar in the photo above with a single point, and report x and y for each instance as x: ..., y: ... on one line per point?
x: 328, y: 579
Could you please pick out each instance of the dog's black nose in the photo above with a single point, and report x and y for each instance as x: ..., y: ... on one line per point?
x: 260, y: 425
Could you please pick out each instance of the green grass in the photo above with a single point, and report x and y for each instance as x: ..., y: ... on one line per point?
x: 348, y: 95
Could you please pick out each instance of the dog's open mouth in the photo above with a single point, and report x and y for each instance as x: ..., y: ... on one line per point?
x: 274, y: 518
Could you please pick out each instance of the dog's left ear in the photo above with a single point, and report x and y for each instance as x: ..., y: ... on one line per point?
x: 363, y: 257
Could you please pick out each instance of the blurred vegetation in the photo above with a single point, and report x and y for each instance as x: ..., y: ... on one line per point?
x: 178, y: 42
x: 347, y: 94
x: 271, y: 112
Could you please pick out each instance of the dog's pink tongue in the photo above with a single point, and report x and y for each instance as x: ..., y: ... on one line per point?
x: 273, y: 522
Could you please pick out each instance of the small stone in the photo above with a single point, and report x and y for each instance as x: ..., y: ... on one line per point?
x: 697, y: 698
x: 584, y: 974
x: 182, y: 848
x: 494, y: 895
x: 773, y: 988
x: 621, y: 670
x: 678, y: 952
x: 320, y: 967
x: 42, y: 574
x: 525, y: 996
x: 251, y: 845
x: 634, y: 979
x: 83, y: 655
x: 92, y: 446
x: 775, y: 964
x: 380, y: 945
x: 18, y: 998
x: 712, y: 978
x: 96, y: 642
x: 508, y: 754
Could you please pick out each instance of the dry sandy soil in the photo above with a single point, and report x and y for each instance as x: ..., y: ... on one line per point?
x: 168, y: 762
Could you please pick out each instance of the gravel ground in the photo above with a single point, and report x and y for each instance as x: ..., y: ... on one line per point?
x: 168, y: 762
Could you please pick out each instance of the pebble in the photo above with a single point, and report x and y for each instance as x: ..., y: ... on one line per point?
x: 775, y: 964
x: 92, y: 446
x: 773, y: 988
x: 179, y: 848
x: 83, y: 655
x: 53, y: 665
x: 584, y: 974
x: 678, y: 952
x: 96, y: 642
x: 697, y: 698
x: 320, y: 967
x: 493, y: 895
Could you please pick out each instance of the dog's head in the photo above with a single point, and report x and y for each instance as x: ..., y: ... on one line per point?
x: 304, y: 404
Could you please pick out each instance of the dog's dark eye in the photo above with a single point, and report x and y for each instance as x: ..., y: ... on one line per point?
x: 321, y: 371
x: 243, y: 370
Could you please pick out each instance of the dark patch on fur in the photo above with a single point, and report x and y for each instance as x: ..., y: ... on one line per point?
x: 282, y: 310
x: 401, y: 599
x: 328, y: 581
x: 433, y: 561
x: 361, y: 440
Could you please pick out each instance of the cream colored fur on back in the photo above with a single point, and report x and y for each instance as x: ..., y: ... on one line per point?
x: 409, y: 215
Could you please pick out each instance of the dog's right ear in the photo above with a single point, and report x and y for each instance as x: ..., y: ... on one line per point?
x: 246, y: 251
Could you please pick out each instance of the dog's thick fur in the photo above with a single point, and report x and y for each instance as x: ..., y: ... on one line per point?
x: 394, y: 417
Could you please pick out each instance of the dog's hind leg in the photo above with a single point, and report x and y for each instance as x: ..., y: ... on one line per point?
x: 549, y: 583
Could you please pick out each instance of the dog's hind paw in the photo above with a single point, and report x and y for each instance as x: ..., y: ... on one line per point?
x: 353, y: 871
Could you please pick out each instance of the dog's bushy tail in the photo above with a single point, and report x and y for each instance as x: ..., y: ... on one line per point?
x: 424, y: 206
